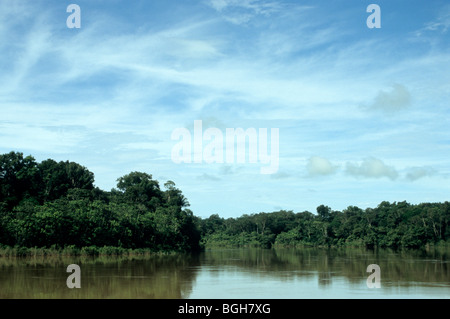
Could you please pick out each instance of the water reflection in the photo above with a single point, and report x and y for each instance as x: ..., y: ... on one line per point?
x: 323, y: 273
x: 404, y: 267
x: 102, y: 277
x: 234, y: 273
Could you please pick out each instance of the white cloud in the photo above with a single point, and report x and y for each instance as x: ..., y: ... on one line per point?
x: 317, y: 166
x: 242, y: 11
x: 371, y: 168
x: 256, y: 6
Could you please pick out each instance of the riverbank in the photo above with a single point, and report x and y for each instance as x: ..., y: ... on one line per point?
x: 220, y: 240
x: 16, y: 251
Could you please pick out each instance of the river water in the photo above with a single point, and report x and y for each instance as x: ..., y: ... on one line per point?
x: 235, y: 274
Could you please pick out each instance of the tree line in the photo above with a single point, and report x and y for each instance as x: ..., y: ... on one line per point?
x: 393, y: 225
x: 53, y: 203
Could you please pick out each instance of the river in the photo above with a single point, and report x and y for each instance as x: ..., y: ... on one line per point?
x: 234, y: 274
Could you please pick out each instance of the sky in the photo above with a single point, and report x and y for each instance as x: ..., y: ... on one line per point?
x: 362, y: 114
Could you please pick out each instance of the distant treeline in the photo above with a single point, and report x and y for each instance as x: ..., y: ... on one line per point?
x: 388, y: 225
x: 55, y: 206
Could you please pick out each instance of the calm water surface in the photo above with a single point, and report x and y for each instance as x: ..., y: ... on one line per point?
x: 234, y: 273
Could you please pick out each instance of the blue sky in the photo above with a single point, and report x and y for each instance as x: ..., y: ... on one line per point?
x: 363, y: 114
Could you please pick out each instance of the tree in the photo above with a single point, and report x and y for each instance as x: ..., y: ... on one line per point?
x: 324, y: 212
x: 140, y: 189
x: 18, y: 178
x: 173, y: 196
x: 212, y: 224
x: 58, y: 178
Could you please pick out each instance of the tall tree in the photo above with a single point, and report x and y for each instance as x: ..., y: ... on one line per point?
x: 59, y: 178
x: 18, y: 178
x: 140, y: 189
x: 174, y: 196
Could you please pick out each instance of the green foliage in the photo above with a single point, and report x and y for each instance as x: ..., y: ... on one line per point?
x: 50, y: 204
x: 58, y: 179
x: 140, y: 189
x: 18, y: 178
x: 388, y: 225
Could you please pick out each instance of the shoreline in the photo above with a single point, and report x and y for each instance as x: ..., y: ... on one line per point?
x: 70, y: 251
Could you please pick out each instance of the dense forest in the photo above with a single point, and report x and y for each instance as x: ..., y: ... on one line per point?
x: 56, y: 204
x: 391, y: 225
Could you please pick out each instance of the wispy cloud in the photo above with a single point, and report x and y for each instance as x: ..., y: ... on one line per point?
x: 281, y: 175
x: 440, y: 24
x: 314, y: 71
x: 208, y: 177
x: 242, y: 11
x: 416, y: 173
